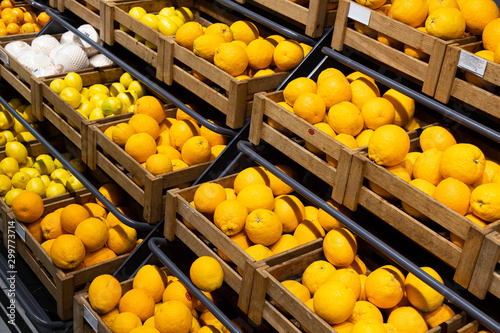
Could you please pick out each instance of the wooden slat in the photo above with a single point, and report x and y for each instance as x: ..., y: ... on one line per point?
x: 484, y: 270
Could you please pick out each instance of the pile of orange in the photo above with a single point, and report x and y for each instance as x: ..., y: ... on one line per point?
x: 162, y: 144
x: 239, y: 49
x: 347, y: 108
x: 78, y: 235
x: 456, y: 174
x: 157, y: 302
x: 17, y: 20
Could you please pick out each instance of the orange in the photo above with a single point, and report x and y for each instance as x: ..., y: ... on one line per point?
x: 485, y: 201
x: 436, y: 137
x: 208, y: 196
x: 348, y: 277
x: 206, y: 274
x: 67, y: 251
x: 196, y: 150
x: 152, y: 279
x: 411, y: 12
x: 308, y: 230
x: 278, y: 186
x: 125, y: 322
x: 96, y: 257
x: 121, y: 133
x: 6, y: 4
x: 275, y: 39
x: 213, y: 138
x: 263, y: 226
x: 205, y: 46
x: 438, y: 316
x: 139, y: 302
x: 178, y: 164
x: 113, y: 220
x: 435, y: 4
x: 140, y: 146
x: 310, y: 107
x: 27, y: 207
x: 464, y: 162
x: 389, y: 41
x: 47, y: 245
x: 348, y: 141
x: 230, y: 194
x: 478, y: 13
x: 325, y: 128
x: 51, y: 226
x: 364, y: 137
x: 297, y: 87
x: 384, y: 287
x: 415, y: 52
x: 245, y: 31
x: 241, y: 239
x: 373, y: 4
x: 176, y: 290
x: 181, y: 114
x: 334, y: 89
x: 256, y: 196
x: 426, y: 187
x: 93, y: 232
x: 260, y: 53
x: 215, y: 151
x: 389, y: 145
x: 230, y: 216
x: 409, y: 161
x: 316, y: 274
x: 397, y: 170
x: 367, y: 325
x: 42, y: 19
x: 104, y: 293
x: 358, y: 266
x: 158, y: 164
x: 290, y: 211
x: 222, y: 29
x: 144, y: 123
x: 181, y: 131
x: 426, y: 166
x: 121, y: 238
x: 491, y: 35
x: 13, y: 28
x: 334, y: 302
x: 453, y: 193
x: 404, y: 106
x: 284, y: 243
x: 420, y: 294
x: 113, y: 192
x: 445, y: 23
x: 362, y: 89
x: 328, y: 73
x: 231, y: 58
x: 187, y: 33
x: 377, y: 111
x: 257, y: 252
x: 263, y: 72
x: 490, y: 169
x: 287, y: 55
x: 72, y: 215
x: 35, y: 230
x: 346, y: 118
x: 340, y: 247
x: 297, y: 289
x: 327, y: 221
x: 170, y: 151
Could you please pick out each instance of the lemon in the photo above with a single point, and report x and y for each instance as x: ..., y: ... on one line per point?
x: 20, y: 179
x: 36, y: 185
x: 44, y: 164
x: 85, y: 92
x: 32, y: 172
x: 98, y: 88
x: 24, y: 136
x: 179, y: 21
x: 151, y: 20
x: 132, y: 94
x: 74, y: 80
x: 139, y: 38
x: 125, y: 79
x: 167, y: 11
x: 116, y: 88
x: 96, y: 114
x: 137, y: 12
x: 45, y: 179
x: 86, y: 107
x: 3, y: 140
x: 167, y: 26
x: 16, y: 150
x: 6, y: 120
x: 15, y: 102
x: 28, y: 163
x: 71, y: 96
x: 184, y: 13
x: 5, y: 185
x: 78, y: 164
x: 58, y: 85
x: 137, y: 87
x: 11, y: 195
x: 73, y: 184
x: 127, y: 99
x: 111, y: 106
x: 8, y: 135
x: 61, y: 174
x: 9, y: 166
x: 28, y: 114
x: 55, y: 189
x: 21, y: 108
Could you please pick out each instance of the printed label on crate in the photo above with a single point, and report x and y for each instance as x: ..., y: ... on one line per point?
x: 20, y: 231
x: 90, y: 318
x: 472, y: 63
x: 4, y: 57
x: 359, y: 13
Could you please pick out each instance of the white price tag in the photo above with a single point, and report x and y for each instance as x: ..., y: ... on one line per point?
x: 4, y: 57
x: 472, y: 63
x: 359, y: 13
x: 90, y: 318
x: 20, y: 231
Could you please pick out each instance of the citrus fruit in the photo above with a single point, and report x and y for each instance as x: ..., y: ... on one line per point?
x: 284, y: 243
x: 463, y: 161
x: 316, y: 274
x: 260, y: 53
x: 208, y: 196
x: 334, y: 89
x: 421, y: 295
x: 404, y: 106
x: 438, y: 316
x: 346, y: 118
x: 196, y: 150
x: 121, y: 238
x: 263, y: 226
x: 230, y: 216
x: 256, y: 196
x: 290, y: 211
x: 137, y: 301
x: 245, y: 31
x: 308, y: 230
x: 140, y: 146
x: 93, y: 232
x: 206, y: 273
x: 478, y: 13
x: 445, y: 23
x: 485, y: 201
x: 205, y: 46
x: 296, y: 87
x: 340, y: 247
x: 426, y: 187
x: 96, y: 257
x: 389, y: 144
x: 384, y: 287
x: 67, y: 251
x: 287, y: 55
x: 104, y: 293
x: 27, y: 207
x: 426, y: 166
x: 126, y: 322
x: 72, y: 215
x: 412, y: 12
x: 176, y: 290
x: 334, y: 302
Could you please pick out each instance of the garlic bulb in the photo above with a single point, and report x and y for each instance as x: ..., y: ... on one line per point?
x: 100, y: 60
x: 70, y: 58
x: 15, y: 49
x: 33, y: 59
x: 45, y: 44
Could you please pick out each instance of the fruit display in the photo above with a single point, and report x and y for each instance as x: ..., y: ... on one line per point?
x: 15, y: 20
x: 48, y: 55
x: 41, y: 174
x: 11, y: 128
x: 78, y: 235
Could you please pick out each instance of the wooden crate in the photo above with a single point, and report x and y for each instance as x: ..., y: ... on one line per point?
x: 117, y: 163
x: 453, y: 84
x: 463, y: 260
x: 267, y: 281
x: 425, y: 73
x: 175, y: 63
x: 27, y: 7
x: 61, y: 285
x: 314, y: 18
x: 87, y: 10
